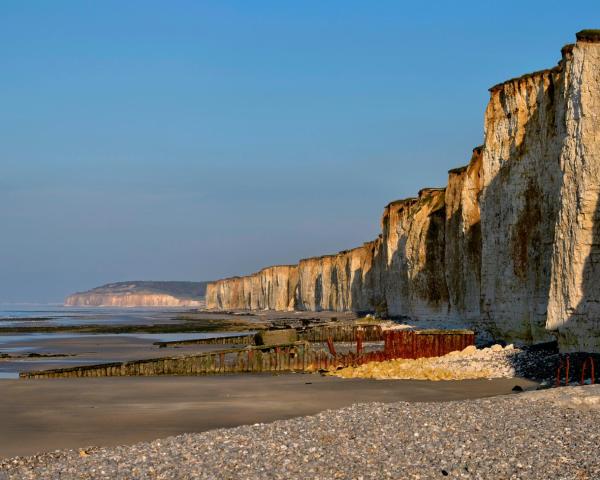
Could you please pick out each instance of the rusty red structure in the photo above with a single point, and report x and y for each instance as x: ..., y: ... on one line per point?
x: 425, y: 343
x: 565, y: 368
x: 406, y: 344
x: 589, y: 361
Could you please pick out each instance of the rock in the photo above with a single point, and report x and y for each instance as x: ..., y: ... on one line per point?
x: 483, y: 363
x: 141, y: 294
x: 276, y: 337
x: 574, y: 299
x: 487, y: 438
x: 272, y: 288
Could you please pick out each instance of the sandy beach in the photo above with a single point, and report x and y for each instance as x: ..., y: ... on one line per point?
x: 43, y: 415
x: 534, y: 435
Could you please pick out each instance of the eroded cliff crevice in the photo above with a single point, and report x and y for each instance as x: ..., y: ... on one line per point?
x: 463, y: 239
x: 511, y: 247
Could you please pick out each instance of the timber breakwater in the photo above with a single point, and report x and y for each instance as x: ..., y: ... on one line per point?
x: 281, y: 351
x: 510, y: 247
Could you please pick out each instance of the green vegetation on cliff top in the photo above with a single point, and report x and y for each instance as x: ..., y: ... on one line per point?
x: 184, y: 290
x: 589, y: 35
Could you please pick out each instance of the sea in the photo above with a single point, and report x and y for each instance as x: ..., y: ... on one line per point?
x: 16, y: 348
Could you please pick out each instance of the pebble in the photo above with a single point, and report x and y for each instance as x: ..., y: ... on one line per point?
x: 492, y: 362
x: 533, y: 435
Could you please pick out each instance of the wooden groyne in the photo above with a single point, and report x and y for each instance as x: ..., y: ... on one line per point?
x: 298, y: 356
x: 301, y: 356
x: 244, y: 339
x: 342, y: 332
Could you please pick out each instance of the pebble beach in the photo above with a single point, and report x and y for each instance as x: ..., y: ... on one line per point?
x: 490, y: 362
x: 534, y: 435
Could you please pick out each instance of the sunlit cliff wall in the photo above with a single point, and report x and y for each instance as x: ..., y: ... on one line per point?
x: 273, y: 288
x: 140, y: 293
x: 462, y: 241
x: 574, y: 298
x: 511, y: 247
x: 524, y: 130
x: 129, y: 300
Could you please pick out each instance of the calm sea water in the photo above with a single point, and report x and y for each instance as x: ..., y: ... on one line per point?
x: 42, y: 316
x: 54, y: 315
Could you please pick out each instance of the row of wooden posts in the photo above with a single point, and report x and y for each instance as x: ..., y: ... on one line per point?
x: 343, y: 332
x: 301, y: 356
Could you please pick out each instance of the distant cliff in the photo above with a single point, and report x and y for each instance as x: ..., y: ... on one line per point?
x: 141, y: 294
x: 510, y: 247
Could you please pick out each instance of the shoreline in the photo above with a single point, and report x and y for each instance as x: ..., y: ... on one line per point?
x: 111, y: 411
x: 534, y: 435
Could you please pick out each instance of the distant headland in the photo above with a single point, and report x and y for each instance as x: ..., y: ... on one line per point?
x: 141, y: 294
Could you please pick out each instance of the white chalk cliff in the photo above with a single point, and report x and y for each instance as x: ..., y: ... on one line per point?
x: 510, y: 247
x: 141, y: 294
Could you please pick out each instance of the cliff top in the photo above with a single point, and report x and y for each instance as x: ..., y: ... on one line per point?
x: 430, y: 190
x: 458, y: 170
x: 567, y: 49
x: 403, y: 204
x: 526, y: 76
x: 184, y: 290
x: 401, y: 201
x: 588, y: 35
x: 259, y: 272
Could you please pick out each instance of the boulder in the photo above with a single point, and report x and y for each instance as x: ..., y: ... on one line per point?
x: 276, y: 337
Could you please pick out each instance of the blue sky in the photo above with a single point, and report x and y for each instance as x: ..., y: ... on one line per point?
x: 191, y: 140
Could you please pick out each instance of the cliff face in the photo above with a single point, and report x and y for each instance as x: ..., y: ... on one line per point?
x: 401, y: 272
x: 129, y: 300
x: 524, y: 130
x: 413, y: 272
x: 141, y: 294
x: 574, y: 299
x: 463, y: 240
x: 346, y: 281
x: 510, y: 247
x: 273, y: 288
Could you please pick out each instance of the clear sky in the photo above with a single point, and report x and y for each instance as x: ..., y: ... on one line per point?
x: 191, y: 140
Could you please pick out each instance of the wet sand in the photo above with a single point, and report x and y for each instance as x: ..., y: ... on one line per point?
x: 90, y: 349
x: 81, y: 348
x: 43, y: 415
